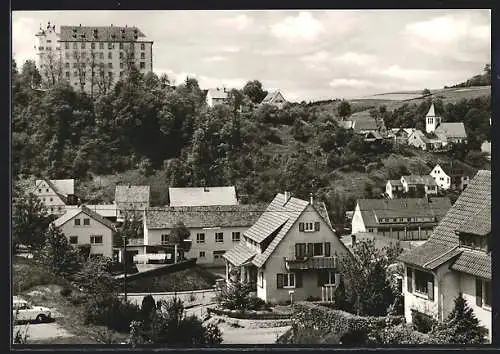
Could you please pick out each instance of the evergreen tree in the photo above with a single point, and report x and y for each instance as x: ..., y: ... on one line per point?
x: 58, y: 255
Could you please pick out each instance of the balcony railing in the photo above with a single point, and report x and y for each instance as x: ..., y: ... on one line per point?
x: 152, y: 258
x: 135, y: 242
x: 308, y: 263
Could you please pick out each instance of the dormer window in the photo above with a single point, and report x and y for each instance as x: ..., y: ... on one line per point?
x: 475, y: 242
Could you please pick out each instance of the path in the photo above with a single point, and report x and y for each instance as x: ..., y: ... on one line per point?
x: 252, y: 335
x: 41, y: 331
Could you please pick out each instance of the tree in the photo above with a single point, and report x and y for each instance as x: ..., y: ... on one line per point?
x: 58, y: 255
x: 344, y: 109
x: 426, y: 92
x: 365, y: 278
x: 52, y: 69
x: 29, y: 220
x: 170, y: 325
x: 461, y: 326
x: 253, y: 89
x: 179, y: 236
x: 236, y: 294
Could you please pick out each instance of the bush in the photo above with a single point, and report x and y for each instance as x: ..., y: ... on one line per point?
x: 261, y: 315
x: 421, y: 322
x: 111, y: 312
x: 66, y: 291
x: 256, y: 303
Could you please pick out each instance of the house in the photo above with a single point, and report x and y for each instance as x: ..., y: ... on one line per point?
x: 403, y: 219
x: 419, y: 140
x: 107, y: 211
x: 55, y: 194
x: 394, y: 188
x: 486, y: 148
x: 202, y: 196
x: 453, y: 175
x: 217, y: 96
x: 456, y: 259
x: 82, y: 226
x: 131, y: 199
x: 401, y: 135
x: 291, y: 251
x: 419, y: 185
x: 446, y: 132
x: 372, y: 137
x: 213, y: 229
x: 275, y: 98
x: 363, y: 123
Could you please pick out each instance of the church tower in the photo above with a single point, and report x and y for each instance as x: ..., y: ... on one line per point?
x: 431, y: 120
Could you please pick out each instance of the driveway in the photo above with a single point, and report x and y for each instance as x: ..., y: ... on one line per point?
x: 252, y: 335
x: 42, y: 331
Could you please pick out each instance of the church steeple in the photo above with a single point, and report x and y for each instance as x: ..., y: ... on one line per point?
x: 431, y: 120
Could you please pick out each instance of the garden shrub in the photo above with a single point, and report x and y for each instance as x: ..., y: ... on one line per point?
x: 111, y: 312
x: 66, y: 291
x: 422, y: 322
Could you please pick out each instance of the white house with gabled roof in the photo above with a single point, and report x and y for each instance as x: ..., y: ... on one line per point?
x: 291, y: 251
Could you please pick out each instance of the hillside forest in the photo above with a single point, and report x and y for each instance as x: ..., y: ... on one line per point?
x: 147, y: 130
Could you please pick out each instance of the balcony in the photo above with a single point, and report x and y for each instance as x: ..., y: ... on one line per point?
x: 311, y: 263
x: 135, y: 242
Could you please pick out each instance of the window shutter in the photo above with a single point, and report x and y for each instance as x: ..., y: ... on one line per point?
x: 409, y: 279
x: 327, y: 249
x: 301, y: 226
x: 430, y: 290
x: 321, y: 280
x: 479, y: 292
x: 316, y: 226
x: 279, y: 279
x: 310, y: 249
x: 297, y: 251
x: 298, y: 280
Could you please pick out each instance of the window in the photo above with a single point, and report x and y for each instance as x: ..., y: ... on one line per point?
x: 236, y: 237
x: 110, y: 46
x: 318, y: 249
x: 483, y: 293
x: 92, y: 45
x: 121, y: 55
x: 424, y: 282
x: 49, y: 41
x: 67, y: 74
x: 121, y: 45
x: 66, y: 65
x: 218, y: 255
x: 200, y: 238
x: 110, y: 55
x: 202, y: 254
x: 121, y: 73
x: 285, y: 280
x: 143, y: 55
x: 75, y: 73
x: 75, y: 45
x: 142, y: 65
x: 164, y: 239
x: 101, y: 55
x: 51, y: 199
x: 326, y: 277
x: 73, y: 240
x: 110, y: 65
x: 219, y: 237
x: 121, y: 65
x: 300, y: 250
x: 101, y: 45
x: 260, y: 279
x: 47, y: 190
x: 86, y: 221
x: 66, y: 45
x: 83, y: 45
x: 143, y: 46
x: 66, y: 55
x: 308, y: 226
x: 96, y: 239
x: 77, y: 222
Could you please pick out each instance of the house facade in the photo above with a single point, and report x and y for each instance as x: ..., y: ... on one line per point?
x: 456, y: 259
x: 131, y: 200
x: 415, y: 185
x: 82, y: 226
x: 455, y: 175
x: 408, y: 219
x: 394, y: 188
x: 291, y: 251
x: 213, y: 229
x: 216, y: 96
x: 55, y: 194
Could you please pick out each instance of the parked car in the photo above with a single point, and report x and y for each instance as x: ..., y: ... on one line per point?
x: 23, y: 311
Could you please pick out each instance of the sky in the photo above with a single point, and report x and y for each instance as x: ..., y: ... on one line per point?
x: 307, y: 54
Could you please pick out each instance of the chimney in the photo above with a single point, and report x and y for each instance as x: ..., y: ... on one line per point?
x: 311, y: 199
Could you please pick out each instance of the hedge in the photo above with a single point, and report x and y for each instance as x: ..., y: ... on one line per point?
x: 249, y: 315
x: 325, y: 322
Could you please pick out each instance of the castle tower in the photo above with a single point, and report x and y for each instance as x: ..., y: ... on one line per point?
x: 431, y: 120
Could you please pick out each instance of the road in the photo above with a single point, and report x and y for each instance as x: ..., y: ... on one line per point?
x: 41, y: 331
x: 252, y: 336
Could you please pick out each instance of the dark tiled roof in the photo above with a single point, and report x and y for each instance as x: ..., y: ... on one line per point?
x: 239, y: 254
x: 272, y: 96
x: 475, y: 263
x: 313, y: 263
x: 395, y: 182
x: 457, y: 168
x: 131, y: 194
x: 108, y: 33
x: 203, y: 216
x: 97, y: 217
x: 478, y: 223
x: 415, y: 179
x: 452, y: 130
x: 363, y: 121
x: 444, y: 239
x: 202, y: 196
x: 396, y: 207
x: 419, y: 134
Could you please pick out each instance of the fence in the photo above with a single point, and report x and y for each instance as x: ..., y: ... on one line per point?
x: 191, y: 298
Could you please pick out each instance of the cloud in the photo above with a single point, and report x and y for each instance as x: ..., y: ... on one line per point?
x: 215, y: 58
x: 397, y: 72
x: 295, y: 28
x: 317, y: 57
x: 23, y: 39
x: 356, y: 58
x: 350, y: 83
x: 239, y: 22
x: 229, y: 49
